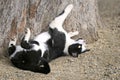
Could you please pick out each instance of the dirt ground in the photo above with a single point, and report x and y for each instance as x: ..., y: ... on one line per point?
x: 101, y: 63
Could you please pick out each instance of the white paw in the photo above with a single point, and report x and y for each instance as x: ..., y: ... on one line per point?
x: 69, y: 8
x: 71, y: 34
x: 76, y: 32
x: 27, y: 31
x: 12, y: 41
x: 27, y: 34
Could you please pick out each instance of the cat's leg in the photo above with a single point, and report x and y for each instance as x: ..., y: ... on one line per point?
x: 12, y: 46
x: 72, y: 34
x: 58, y: 21
x: 25, y: 40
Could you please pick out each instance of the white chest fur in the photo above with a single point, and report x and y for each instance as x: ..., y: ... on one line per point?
x: 18, y: 48
x: 68, y: 42
x: 43, y: 37
x: 43, y: 47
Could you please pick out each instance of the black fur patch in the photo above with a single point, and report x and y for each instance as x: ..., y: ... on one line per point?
x: 49, y: 42
x: 11, y: 50
x: 46, y: 55
x: 58, y: 43
x: 25, y: 44
x: 58, y: 39
x: 53, y: 53
x: 31, y: 60
x: 75, y: 49
x: 34, y: 42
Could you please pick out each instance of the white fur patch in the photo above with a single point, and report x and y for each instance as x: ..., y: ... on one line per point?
x: 68, y: 42
x: 71, y: 34
x: 43, y: 37
x: 68, y: 8
x: 27, y: 35
x: 12, y: 42
x: 43, y: 47
x: 58, y: 21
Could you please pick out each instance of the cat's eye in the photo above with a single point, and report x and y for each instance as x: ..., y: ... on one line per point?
x: 79, y: 46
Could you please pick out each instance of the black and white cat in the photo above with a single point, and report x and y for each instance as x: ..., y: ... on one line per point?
x: 35, y: 54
